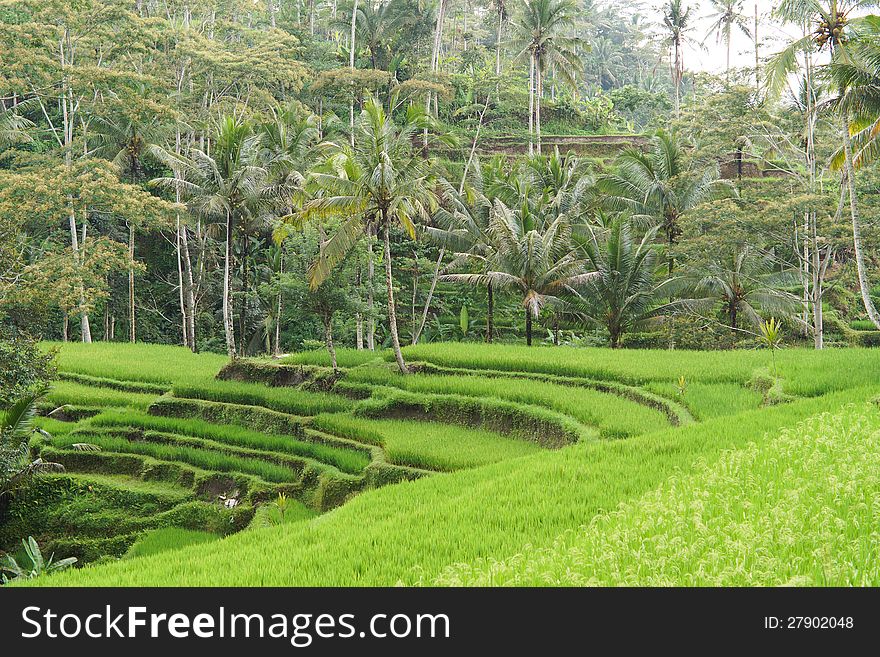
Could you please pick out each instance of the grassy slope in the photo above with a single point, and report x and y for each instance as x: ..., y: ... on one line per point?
x: 152, y: 363
x: 412, y: 531
x: 612, y: 415
x: 794, y: 509
x: 428, y: 444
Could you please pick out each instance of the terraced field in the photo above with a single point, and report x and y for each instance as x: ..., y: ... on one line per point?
x: 480, y: 464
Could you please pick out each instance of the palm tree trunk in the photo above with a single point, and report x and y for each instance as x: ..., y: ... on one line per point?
x: 389, y: 283
x: 498, y: 48
x: 531, y: 104
x: 227, y: 301
x: 351, y: 65
x: 539, y: 92
x: 854, y: 212
x: 132, y: 332
x: 278, y: 307
x: 490, y: 313
x: 242, y: 314
x: 528, y: 328
x: 371, y: 274
x: 727, y: 67
x: 328, y: 334
x: 359, y: 317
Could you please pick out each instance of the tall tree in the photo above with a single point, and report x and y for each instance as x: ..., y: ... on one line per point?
x: 226, y: 185
x: 677, y: 21
x: 543, y: 35
x: 624, y: 292
x: 727, y: 15
x: 534, y: 257
x: 382, y: 181
x: 833, y: 20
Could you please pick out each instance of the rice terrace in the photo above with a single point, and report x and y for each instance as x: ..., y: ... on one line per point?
x: 392, y: 303
x: 489, y: 465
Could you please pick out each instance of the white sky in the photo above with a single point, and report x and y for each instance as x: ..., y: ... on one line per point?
x: 712, y: 57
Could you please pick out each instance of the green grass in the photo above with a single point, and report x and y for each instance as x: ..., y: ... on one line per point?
x: 201, y: 458
x: 151, y: 363
x: 347, y: 460
x: 403, y: 532
x: 53, y: 426
x: 797, y: 509
x: 77, y: 394
x: 286, y: 400
x: 614, y: 416
x: 805, y: 372
x: 344, y: 357
x: 428, y: 445
x: 708, y: 400
x: 166, y: 539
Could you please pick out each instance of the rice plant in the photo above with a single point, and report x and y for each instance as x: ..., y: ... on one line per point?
x: 347, y: 460
x: 428, y: 445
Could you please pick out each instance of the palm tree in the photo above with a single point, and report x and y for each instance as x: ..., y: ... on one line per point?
x: 623, y: 292
x: 382, y: 181
x: 501, y: 9
x: 227, y: 185
x: 659, y: 187
x: 747, y: 282
x: 462, y: 226
x: 290, y: 142
x: 16, y: 428
x: 13, y: 128
x: 125, y: 141
x: 534, y: 257
x: 542, y: 34
x: 833, y: 19
x: 677, y: 19
x: 728, y: 15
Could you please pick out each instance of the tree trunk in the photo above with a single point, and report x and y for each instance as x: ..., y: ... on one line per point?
x: 358, y: 317
x: 328, y: 334
x: 556, y: 330
x: 418, y: 333
x: 733, y: 316
x: 371, y: 273
x: 539, y: 93
x: 490, y: 313
x: 189, y: 290
x: 351, y: 65
x: 65, y: 328
x: 180, y: 289
x: 528, y: 328
x: 498, y: 49
x: 389, y: 283
x: 278, y: 307
x: 854, y: 212
x: 242, y: 314
x: 227, y: 301
x: 531, y: 104
x: 132, y: 330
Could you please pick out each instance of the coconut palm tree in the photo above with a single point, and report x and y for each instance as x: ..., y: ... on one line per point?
x: 542, y: 34
x: 833, y: 20
x: 380, y: 182
x: 125, y: 141
x: 17, y: 465
x: 624, y: 291
x: 529, y: 255
x: 728, y: 14
x: 660, y: 186
x: 13, y: 127
x: 677, y: 21
x: 461, y: 225
x: 748, y: 283
x: 229, y: 186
